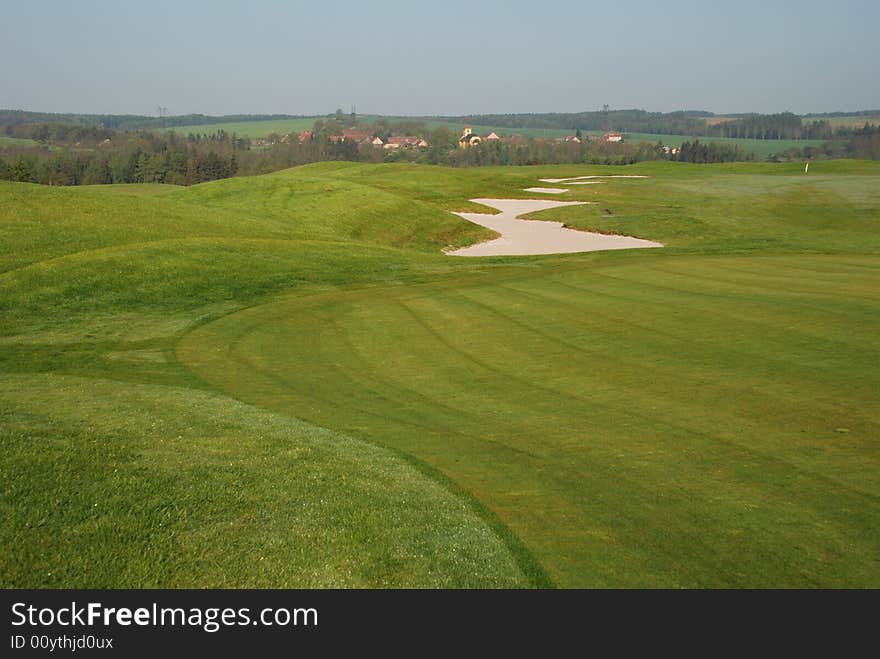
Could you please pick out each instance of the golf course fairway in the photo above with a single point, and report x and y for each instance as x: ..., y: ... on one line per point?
x: 660, y: 422
x: 283, y: 381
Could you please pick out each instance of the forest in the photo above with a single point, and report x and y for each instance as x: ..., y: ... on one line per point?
x: 122, y: 157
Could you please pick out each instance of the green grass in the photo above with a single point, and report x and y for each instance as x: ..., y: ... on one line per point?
x: 16, y: 141
x: 281, y: 381
x: 158, y: 486
x: 625, y: 442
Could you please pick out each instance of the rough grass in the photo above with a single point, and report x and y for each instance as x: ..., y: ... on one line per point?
x: 700, y: 415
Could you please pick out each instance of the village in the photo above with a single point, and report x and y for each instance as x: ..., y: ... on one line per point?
x: 468, y: 138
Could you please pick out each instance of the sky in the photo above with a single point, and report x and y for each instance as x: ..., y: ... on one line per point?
x: 438, y: 58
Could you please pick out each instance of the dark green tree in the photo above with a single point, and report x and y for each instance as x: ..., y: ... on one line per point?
x: 23, y: 169
x: 97, y: 172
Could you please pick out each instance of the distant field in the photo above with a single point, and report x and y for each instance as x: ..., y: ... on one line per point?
x: 761, y: 148
x: 712, y: 121
x: 251, y: 129
x: 850, y: 120
x: 853, y: 121
x: 281, y: 381
x: 15, y: 141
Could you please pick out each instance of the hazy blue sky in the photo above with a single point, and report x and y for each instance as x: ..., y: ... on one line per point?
x: 446, y: 57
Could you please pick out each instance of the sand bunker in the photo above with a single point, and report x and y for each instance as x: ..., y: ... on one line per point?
x: 547, y: 190
x: 581, y: 178
x: 524, y: 237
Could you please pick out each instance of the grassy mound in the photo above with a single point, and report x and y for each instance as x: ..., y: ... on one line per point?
x: 142, y: 486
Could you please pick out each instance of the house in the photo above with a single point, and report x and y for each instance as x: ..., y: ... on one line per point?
x: 405, y: 142
x: 357, y: 136
x: 573, y: 138
x: 468, y: 138
x: 613, y: 137
x: 377, y: 141
x: 306, y: 135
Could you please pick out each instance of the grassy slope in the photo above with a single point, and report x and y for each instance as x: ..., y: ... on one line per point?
x: 158, y: 486
x: 98, y: 285
x: 655, y: 450
x: 274, y: 207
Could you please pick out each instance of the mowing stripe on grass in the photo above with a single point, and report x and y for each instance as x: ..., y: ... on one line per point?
x: 614, y: 439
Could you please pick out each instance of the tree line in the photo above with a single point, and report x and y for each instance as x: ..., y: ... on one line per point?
x: 12, y: 118
x: 76, y: 155
x: 709, y: 152
x: 633, y: 121
x: 859, y: 143
x: 779, y: 126
x: 142, y: 157
x: 694, y: 123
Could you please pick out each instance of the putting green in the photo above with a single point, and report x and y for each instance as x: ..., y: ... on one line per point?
x: 636, y: 420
